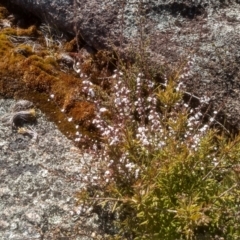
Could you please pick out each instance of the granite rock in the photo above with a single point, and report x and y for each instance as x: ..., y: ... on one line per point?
x: 38, y: 182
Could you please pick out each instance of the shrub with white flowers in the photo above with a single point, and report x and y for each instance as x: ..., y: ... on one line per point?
x: 166, y: 173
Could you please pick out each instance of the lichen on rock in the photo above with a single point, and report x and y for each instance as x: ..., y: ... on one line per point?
x: 38, y: 184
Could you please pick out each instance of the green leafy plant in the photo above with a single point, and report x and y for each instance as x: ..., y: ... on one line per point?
x: 165, y: 173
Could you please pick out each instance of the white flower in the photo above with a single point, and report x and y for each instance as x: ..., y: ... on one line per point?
x: 117, y: 101
x: 86, y: 82
x: 149, y: 99
x: 211, y: 119
x: 137, y: 173
x: 125, y: 100
x: 197, y: 115
x: 111, y: 128
x: 106, y: 133
x: 136, y: 103
x: 204, y: 128
x: 145, y: 142
x: 141, y: 129
x: 130, y: 165
x: 102, y: 109
x: 161, y: 144
x: 99, y: 126
x: 113, y: 141
x: 126, y: 110
x: 52, y: 96
x: 150, y: 117
x: 70, y: 119
x: 91, y: 92
x: 204, y: 99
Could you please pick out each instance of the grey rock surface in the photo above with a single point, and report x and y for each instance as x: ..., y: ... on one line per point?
x: 103, y: 23
x: 38, y: 182
x: 173, y: 29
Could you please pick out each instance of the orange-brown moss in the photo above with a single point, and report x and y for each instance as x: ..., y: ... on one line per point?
x: 47, y: 68
x: 87, y: 66
x: 51, y: 60
x: 3, y: 12
x: 29, y: 32
x: 71, y: 46
x: 32, y: 75
x: 103, y: 58
x: 9, y: 31
x: 52, y: 111
x: 5, y: 44
x: 24, y: 50
x: 36, y: 79
x: 69, y: 99
x: 82, y: 111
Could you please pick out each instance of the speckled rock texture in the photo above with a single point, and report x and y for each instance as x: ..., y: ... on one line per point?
x: 38, y: 182
x: 173, y: 29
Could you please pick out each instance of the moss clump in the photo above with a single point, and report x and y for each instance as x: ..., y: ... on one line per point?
x: 3, y: 12
x: 30, y: 68
x: 36, y: 79
x: 51, y: 60
x: 29, y: 32
x: 25, y: 73
x: 24, y: 50
x: 45, y: 65
x: 5, y: 44
x: 82, y: 111
x: 71, y: 46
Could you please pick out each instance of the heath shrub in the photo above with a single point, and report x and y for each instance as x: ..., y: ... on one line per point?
x: 164, y: 170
